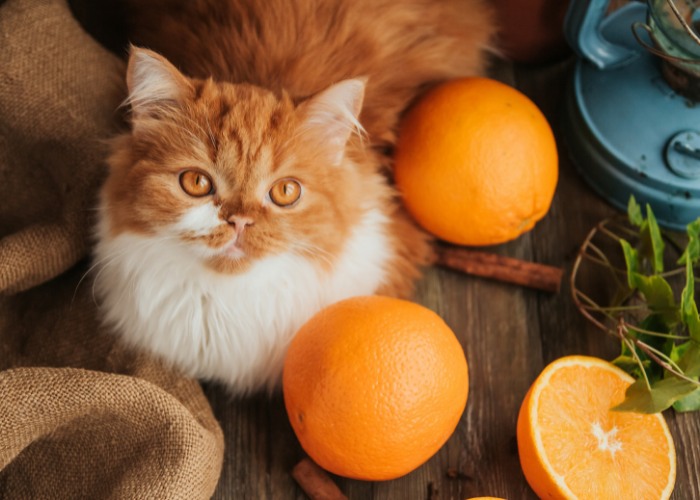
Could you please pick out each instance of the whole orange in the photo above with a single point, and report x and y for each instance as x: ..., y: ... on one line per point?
x: 476, y: 162
x: 374, y: 386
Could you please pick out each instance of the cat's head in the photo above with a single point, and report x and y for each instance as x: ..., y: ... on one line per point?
x: 233, y: 172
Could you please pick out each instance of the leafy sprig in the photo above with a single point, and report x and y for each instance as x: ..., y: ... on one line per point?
x: 659, y: 329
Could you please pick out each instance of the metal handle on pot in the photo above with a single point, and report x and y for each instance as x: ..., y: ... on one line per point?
x: 582, y: 30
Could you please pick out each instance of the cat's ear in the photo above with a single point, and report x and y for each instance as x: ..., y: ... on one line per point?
x: 330, y: 116
x: 154, y: 83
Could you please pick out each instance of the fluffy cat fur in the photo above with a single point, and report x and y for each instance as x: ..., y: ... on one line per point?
x: 306, y: 92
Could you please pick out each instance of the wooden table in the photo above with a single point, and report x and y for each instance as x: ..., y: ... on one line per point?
x: 508, y: 333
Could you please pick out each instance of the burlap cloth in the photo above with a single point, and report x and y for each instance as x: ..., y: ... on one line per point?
x: 80, y: 417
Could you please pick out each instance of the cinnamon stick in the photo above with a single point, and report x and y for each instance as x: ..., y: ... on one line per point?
x: 498, y: 267
x: 315, y: 482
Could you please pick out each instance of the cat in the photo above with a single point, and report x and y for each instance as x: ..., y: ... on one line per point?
x: 252, y: 189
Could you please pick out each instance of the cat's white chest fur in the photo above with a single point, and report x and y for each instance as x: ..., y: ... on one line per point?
x: 234, y: 329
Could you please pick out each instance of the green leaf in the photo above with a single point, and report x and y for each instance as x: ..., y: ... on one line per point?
x: 692, y: 250
x: 689, y: 308
x: 634, y: 212
x: 657, y: 242
x: 652, y: 370
x: 654, y: 322
x: 658, y: 295
x: 689, y: 361
x: 663, y: 393
x: 678, y: 350
x: 656, y: 388
x: 628, y: 362
x: 631, y: 261
x: 691, y: 402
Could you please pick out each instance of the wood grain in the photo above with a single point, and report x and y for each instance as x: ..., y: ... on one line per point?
x: 509, y: 334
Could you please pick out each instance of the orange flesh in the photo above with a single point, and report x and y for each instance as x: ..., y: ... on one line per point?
x: 573, y: 446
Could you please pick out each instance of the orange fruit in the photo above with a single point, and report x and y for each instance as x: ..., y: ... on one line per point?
x: 572, y: 445
x: 374, y: 386
x: 476, y: 162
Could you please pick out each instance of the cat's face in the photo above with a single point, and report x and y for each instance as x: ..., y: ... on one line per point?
x: 233, y: 172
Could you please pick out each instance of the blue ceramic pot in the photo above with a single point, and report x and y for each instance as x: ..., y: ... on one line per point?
x: 626, y: 130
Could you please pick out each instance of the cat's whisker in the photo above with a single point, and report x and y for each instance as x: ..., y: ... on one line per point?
x: 104, y: 263
x: 80, y: 282
x: 97, y: 277
x: 193, y: 122
x: 315, y: 248
x: 188, y: 132
x: 107, y: 262
x: 86, y: 273
x: 101, y: 206
x: 210, y: 134
x: 173, y: 117
x: 308, y: 249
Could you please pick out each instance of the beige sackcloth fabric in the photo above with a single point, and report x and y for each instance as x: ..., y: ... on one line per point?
x: 80, y: 416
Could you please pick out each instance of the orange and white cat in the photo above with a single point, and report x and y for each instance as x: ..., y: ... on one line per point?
x: 251, y: 190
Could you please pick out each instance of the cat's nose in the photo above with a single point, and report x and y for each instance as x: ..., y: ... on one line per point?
x: 239, y: 222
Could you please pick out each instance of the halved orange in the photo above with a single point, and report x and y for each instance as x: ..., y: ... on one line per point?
x: 571, y: 445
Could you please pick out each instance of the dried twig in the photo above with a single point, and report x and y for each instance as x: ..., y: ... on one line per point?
x: 507, y: 269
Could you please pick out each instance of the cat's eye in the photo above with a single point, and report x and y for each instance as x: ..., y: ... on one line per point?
x: 196, y: 183
x: 285, y: 192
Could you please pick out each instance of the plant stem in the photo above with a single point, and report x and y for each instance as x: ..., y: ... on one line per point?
x: 604, y: 263
x: 656, y: 334
x: 673, y: 272
x: 651, y: 352
x: 584, y: 310
x: 603, y: 227
x: 624, y: 308
x: 663, y: 356
x: 630, y: 346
